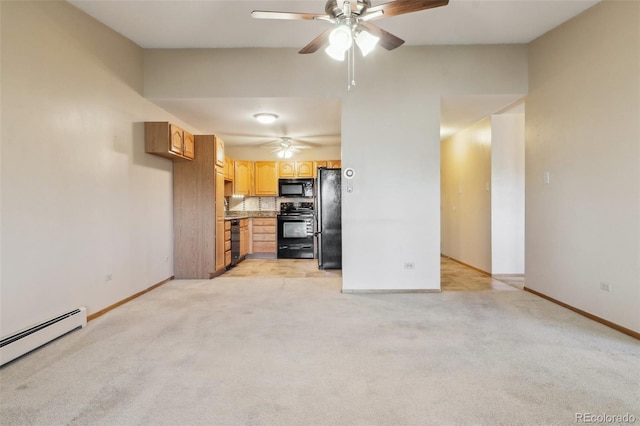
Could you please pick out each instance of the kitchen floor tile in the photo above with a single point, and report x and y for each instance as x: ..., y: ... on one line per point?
x: 454, y: 276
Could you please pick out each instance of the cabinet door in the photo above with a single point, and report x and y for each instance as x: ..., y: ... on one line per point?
x: 219, y: 152
x: 188, y: 149
x: 176, y: 139
x: 266, y: 178
x: 228, y: 168
x: 287, y: 169
x: 334, y: 164
x: 219, y: 184
x: 304, y: 169
x: 243, y: 177
x: 244, y: 237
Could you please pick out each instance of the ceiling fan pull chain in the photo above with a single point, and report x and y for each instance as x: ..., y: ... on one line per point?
x: 351, y: 68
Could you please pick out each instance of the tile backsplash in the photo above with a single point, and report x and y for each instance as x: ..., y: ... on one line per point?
x: 267, y: 204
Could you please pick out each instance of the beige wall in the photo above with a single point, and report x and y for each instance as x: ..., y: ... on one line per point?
x: 466, y: 195
x: 80, y: 198
x: 583, y: 127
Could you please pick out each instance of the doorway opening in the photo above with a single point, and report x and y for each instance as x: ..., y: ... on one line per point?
x: 482, y: 185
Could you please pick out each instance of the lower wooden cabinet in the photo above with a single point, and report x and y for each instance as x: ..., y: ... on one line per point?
x: 264, y: 235
x: 244, y: 237
x: 227, y: 243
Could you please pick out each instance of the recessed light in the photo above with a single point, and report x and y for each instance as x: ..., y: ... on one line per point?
x: 266, y: 117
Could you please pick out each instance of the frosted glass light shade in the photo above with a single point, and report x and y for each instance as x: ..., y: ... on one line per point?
x: 341, y: 38
x: 366, y: 42
x: 336, y: 53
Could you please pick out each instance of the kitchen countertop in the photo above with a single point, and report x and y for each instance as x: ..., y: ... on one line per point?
x: 248, y: 214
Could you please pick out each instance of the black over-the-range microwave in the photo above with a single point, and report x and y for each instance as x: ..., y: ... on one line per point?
x: 295, y: 187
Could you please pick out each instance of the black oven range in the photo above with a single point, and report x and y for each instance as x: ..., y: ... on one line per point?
x: 295, y: 231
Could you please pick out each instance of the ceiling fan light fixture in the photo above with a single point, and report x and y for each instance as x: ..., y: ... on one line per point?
x: 284, y: 153
x: 265, y: 117
x: 366, y: 42
x: 341, y: 37
x: 335, y: 53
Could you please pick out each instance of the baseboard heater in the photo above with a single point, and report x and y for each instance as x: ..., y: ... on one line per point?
x: 24, y: 341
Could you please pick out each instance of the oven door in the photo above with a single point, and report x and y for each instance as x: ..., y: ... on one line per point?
x: 295, y: 237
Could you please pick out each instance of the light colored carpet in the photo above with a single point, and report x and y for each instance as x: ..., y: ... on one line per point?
x: 243, y: 351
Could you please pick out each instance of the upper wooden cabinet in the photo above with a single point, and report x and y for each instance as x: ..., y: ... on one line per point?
x: 266, y: 178
x: 243, y: 177
x: 188, y: 145
x: 334, y: 164
x: 228, y: 168
x: 219, y: 152
x: 286, y: 169
x: 295, y: 169
x: 304, y: 169
x: 168, y: 140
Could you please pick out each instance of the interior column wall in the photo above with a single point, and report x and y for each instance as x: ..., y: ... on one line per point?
x: 507, y: 194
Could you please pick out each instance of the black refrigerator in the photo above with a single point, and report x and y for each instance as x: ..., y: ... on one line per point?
x: 329, y: 218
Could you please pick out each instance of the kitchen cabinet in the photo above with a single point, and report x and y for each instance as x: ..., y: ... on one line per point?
x: 295, y: 169
x: 168, y: 140
x: 304, y: 169
x: 264, y: 235
x: 227, y: 243
x: 244, y: 238
x: 286, y: 169
x: 220, y: 222
x: 243, y: 178
x: 198, y: 213
x: 219, y: 152
x: 334, y: 164
x: 228, y: 168
x: 266, y: 178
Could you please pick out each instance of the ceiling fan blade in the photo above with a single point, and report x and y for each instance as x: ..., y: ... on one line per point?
x: 268, y: 14
x: 387, y: 40
x: 317, y: 42
x: 400, y: 7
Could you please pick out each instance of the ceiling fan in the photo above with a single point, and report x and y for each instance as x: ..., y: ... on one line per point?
x: 284, y: 147
x: 351, y: 21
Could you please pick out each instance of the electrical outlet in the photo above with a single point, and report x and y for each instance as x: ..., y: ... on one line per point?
x: 605, y: 286
x: 166, y: 259
x: 409, y: 265
x: 108, y: 277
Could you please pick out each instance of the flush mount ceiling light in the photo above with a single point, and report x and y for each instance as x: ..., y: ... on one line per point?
x: 351, y: 22
x: 265, y: 117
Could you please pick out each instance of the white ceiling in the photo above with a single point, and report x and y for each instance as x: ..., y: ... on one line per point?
x: 227, y: 24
